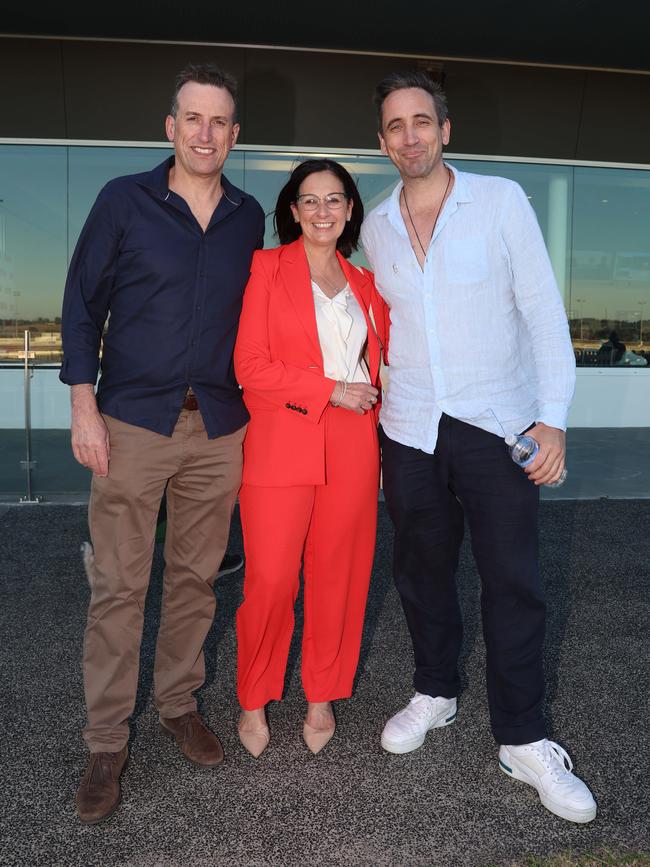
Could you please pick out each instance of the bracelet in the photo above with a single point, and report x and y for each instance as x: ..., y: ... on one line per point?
x: 344, y: 388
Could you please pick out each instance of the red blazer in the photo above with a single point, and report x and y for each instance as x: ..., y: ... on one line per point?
x: 279, y: 364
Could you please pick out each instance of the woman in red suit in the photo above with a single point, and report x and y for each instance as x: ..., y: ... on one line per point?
x: 307, y: 357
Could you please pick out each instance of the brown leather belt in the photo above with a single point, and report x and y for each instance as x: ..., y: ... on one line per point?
x: 190, y: 402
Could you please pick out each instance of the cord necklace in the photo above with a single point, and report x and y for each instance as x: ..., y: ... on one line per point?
x: 442, y: 201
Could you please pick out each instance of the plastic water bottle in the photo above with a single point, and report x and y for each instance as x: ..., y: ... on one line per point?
x: 523, y: 451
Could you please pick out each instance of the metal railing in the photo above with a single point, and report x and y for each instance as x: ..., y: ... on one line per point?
x: 29, y: 463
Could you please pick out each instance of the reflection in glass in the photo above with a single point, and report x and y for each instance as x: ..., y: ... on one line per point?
x: 596, y: 224
x: 610, y: 267
x: 33, y: 263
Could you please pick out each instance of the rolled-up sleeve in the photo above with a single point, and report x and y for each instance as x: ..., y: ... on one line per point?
x: 86, y: 300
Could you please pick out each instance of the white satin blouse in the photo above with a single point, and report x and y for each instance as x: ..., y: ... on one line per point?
x: 342, y: 333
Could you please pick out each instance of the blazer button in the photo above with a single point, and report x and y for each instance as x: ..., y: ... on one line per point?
x: 304, y: 411
x: 288, y: 405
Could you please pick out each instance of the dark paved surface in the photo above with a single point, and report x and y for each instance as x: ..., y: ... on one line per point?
x: 445, y: 804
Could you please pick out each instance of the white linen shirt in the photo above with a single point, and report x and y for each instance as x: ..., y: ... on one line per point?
x: 481, y: 333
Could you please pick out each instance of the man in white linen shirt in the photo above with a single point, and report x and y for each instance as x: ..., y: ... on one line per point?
x: 479, y: 348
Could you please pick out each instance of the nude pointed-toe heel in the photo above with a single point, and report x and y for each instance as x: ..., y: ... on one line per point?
x: 316, y: 739
x: 255, y: 741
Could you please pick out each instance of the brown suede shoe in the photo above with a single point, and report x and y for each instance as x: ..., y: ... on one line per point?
x: 99, y: 793
x: 195, y: 740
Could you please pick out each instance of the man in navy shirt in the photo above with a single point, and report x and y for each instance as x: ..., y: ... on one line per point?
x: 158, y: 274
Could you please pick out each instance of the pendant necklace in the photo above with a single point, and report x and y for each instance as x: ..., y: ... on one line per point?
x: 408, y: 211
x: 334, y: 288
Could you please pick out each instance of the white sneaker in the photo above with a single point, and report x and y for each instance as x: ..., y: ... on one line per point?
x: 547, y: 767
x: 407, y: 729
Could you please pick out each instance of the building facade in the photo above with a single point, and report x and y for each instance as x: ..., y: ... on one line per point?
x: 80, y: 111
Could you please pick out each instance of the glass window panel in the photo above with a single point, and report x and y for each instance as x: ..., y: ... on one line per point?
x: 595, y: 221
x: 610, y: 268
x: 595, y: 227
x: 265, y: 175
x: 33, y: 228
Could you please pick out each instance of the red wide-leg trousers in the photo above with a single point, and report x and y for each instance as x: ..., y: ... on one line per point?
x: 332, y: 529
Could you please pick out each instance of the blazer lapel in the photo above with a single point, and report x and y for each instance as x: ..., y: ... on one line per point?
x: 294, y: 271
x: 360, y: 286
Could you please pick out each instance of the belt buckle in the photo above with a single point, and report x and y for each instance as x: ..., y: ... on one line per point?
x: 190, y: 401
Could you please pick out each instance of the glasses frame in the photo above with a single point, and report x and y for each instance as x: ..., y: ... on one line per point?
x: 345, y: 198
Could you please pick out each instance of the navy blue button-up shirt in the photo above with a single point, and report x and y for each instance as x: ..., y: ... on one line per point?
x: 172, y: 295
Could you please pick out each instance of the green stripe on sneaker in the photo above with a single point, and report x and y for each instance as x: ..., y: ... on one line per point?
x: 505, y: 767
x: 452, y: 717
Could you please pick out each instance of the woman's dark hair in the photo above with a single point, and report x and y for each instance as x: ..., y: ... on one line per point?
x: 286, y: 227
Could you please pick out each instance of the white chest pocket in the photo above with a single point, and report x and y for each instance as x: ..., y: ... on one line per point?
x: 466, y: 260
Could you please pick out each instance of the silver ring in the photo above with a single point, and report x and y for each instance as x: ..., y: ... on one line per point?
x: 559, y: 481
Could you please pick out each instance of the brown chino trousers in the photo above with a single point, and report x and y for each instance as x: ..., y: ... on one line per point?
x: 203, y: 478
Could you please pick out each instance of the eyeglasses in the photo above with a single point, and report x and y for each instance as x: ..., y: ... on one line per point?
x: 333, y: 201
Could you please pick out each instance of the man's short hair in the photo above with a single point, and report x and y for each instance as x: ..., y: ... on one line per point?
x: 411, y: 78
x: 204, y: 73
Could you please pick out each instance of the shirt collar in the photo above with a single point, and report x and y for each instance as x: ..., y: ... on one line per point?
x: 459, y: 193
x: 157, y: 180
x: 231, y: 192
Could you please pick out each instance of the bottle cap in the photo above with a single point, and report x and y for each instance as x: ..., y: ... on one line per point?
x: 511, y: 439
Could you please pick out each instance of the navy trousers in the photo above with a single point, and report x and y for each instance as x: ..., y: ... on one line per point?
x: 472, y: 476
